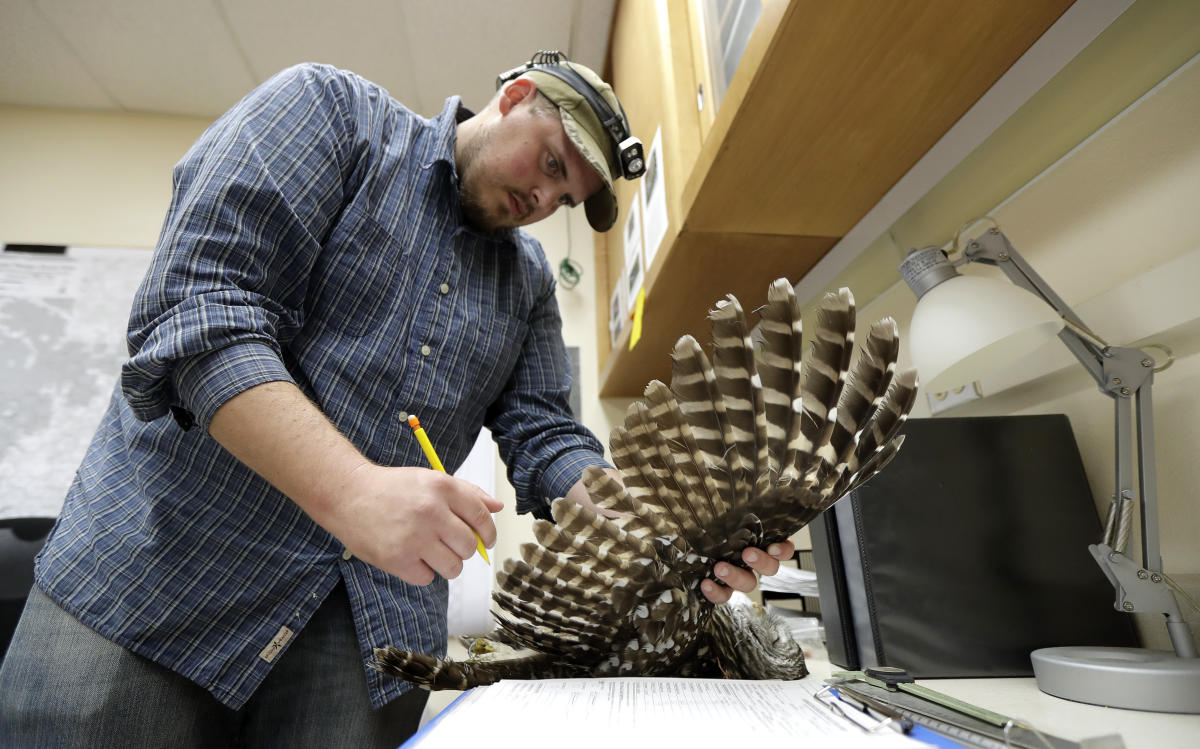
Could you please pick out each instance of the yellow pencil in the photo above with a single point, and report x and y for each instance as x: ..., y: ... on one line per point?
x: 432, y: 457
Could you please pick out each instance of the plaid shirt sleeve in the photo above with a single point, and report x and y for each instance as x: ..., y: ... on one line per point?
x: 252, y: 199
x: 542, y: 444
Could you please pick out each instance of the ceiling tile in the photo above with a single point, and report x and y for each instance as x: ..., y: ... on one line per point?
x: 448, y: 62
x: 363, y: 36
x: 155, y: 56
x: 40, y: 70
x: 198, y: 57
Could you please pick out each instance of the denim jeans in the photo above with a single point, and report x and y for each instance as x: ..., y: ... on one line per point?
x: 63, y: 685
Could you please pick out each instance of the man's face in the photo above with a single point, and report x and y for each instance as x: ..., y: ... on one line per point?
x: 521, y: 169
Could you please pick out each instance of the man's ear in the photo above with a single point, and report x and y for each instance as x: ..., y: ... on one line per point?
x: 514, y: 92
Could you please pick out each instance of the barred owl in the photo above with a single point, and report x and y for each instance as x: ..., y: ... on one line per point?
x: 743, y: 449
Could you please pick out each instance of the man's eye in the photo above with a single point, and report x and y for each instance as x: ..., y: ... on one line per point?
x: 553, y: 164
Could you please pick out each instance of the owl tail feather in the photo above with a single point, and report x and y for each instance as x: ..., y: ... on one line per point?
x: 436, y: 674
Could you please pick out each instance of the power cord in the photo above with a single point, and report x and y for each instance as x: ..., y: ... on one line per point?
x: 569, y: 270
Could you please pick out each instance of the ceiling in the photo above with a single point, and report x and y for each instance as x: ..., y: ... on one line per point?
x: 198, y: 57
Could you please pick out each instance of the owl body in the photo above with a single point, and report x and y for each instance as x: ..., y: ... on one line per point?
x: 744, y: 448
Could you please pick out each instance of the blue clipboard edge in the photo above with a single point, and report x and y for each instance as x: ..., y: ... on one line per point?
x: 416, y: 738
x: 918, y: 731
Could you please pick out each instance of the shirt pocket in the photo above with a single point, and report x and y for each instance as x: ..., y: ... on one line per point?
x: 356, y: 276
x: 495, y: 345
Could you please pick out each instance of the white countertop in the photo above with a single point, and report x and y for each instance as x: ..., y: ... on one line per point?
x: 1021, y: 699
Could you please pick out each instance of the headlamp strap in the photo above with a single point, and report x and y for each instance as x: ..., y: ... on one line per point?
x: 555, y: 63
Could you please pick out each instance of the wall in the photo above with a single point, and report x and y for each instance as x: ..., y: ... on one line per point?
x: 1112, y: 227
x: 1096, y: 225
x: 87, y: 178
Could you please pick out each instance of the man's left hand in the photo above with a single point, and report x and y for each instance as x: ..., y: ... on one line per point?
x: 731, y: 578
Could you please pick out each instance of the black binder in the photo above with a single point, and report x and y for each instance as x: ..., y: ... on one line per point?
x: 966, y: 553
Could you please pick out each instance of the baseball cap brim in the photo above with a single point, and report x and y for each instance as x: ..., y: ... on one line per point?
x: 580, y: 123
x: 600, y: 208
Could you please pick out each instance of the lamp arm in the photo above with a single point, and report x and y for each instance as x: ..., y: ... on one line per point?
x: 993, y: 248
x: 1126, y: 375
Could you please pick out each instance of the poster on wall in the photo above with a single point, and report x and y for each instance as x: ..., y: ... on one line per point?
x: 634, y: 267
x: 654, y: 201
x: 63, y: 315
x: 617, y: 307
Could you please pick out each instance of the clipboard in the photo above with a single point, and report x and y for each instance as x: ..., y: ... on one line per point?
x: 949, y: 721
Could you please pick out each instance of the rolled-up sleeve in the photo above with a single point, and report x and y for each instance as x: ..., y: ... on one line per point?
x: 252, y: 201
x: 543, y: 445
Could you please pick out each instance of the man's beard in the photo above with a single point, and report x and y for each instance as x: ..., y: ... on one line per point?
x: 475, y: 213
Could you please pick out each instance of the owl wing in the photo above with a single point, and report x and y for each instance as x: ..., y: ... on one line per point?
x: 743, y: 448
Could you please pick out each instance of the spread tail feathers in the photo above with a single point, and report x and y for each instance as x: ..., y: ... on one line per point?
x: 746, y: 445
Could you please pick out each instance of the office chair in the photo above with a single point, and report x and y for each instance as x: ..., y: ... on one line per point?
x: 20, y: 541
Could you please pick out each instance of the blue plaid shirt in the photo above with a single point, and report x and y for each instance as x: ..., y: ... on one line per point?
x: 315, y: 237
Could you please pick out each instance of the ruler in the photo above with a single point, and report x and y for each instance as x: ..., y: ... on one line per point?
x: 966, y: 724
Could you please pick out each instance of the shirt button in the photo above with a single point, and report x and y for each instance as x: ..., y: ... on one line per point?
x: 346, y: 555
x: 444, y: 288
x: 426, y: 351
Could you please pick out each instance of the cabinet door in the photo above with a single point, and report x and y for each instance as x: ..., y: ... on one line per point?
x: 831, y: 103
x: 720, y: 31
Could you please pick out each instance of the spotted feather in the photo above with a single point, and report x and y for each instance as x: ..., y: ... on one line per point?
x: 740, y: 450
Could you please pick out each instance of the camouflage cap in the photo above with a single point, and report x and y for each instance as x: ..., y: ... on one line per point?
x: 583, y: 127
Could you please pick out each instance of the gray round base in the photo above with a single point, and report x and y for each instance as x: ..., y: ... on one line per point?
x: 1133, y: 678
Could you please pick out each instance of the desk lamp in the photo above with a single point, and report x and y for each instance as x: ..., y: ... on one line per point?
x: 965, y: 326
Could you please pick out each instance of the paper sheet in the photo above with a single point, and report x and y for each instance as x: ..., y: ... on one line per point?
x: 609, y: 713
x: 790, y: 580
x: 469, y: 604
x: 654, y: 201
x: 634, y: 268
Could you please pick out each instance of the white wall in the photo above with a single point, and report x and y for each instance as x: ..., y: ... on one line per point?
x: 87, y: 178
x: 1114, y: 228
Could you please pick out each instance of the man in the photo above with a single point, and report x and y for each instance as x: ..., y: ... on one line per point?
x: 253, y: 515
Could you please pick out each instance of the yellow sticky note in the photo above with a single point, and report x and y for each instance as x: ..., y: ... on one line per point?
x: 639, y: 305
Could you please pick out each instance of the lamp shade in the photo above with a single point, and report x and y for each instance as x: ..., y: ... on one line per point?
x: 969, y: 326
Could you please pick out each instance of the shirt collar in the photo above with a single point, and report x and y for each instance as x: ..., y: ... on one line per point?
x: 445, y: 128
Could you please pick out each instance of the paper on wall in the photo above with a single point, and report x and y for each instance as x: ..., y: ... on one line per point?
x: 654, y: 202
x: 634, y: 267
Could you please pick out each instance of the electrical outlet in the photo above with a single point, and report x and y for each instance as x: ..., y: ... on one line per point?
x: 948, y: 399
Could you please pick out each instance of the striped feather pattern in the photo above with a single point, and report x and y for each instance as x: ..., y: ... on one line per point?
x: 739, y: 450
x: 695, y: 389
x: 780, y: 368
x: 824, y: 374
x: 741, y: 393
x: 864, y: 389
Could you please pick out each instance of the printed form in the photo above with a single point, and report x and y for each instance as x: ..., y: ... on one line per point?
x: 609, y: 713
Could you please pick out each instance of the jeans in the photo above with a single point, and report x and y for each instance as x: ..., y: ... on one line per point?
x: 63, y: 685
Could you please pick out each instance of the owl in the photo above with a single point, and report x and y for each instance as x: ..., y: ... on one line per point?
x: 746, y: 446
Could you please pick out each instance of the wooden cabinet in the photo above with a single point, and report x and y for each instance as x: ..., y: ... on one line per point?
x: 831, y: 104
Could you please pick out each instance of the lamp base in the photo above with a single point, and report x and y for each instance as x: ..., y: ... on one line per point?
x: 1133, y: 678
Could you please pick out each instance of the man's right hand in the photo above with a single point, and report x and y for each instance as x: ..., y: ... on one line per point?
x: 408, y: 522
x: 413, y: 522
